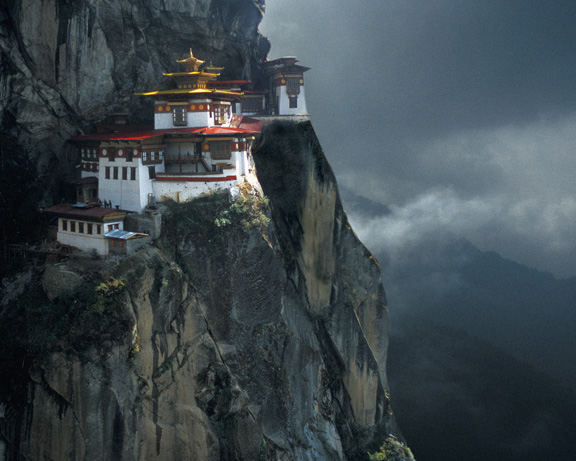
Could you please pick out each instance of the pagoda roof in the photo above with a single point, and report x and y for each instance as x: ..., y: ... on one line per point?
x: 286, y: 65
x: 197, y: 91
x: 198, y: 73
x: 191, y: 61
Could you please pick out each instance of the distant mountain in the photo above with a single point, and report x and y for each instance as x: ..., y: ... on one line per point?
x: 472, y: 336
x: 362, y: 206
x: 526, y: 312
x: 457, y: 398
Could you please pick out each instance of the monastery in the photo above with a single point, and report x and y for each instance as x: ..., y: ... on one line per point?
x: 201, y: 142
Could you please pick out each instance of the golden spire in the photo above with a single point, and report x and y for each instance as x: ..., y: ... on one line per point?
x: 191, y: 63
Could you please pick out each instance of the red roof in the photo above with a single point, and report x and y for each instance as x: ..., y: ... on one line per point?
x: 134, y: 135
x: 140, y: 135
x: 87, y: 212
x: 246, y: 123
x: 216, y: 130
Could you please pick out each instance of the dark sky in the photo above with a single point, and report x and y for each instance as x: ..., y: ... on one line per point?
x: 458, y: 114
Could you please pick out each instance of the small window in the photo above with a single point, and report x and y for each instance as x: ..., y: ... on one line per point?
x: 179, y: 114
x: 144, y: 156
x: 115, y: 172
x: 132, y: 174
x: 112, y: 151
x: 98, y: 229
x: 89, y: 226
x: 110, y: 227
x: 64, y: 225
x: 293, y: 85
x: 220, y: 113
x: 129, y: 155
x: 293, y: 102
x: 152, y: 172
x: 124, y: 173
x: 220, y: 150
x: 81, y: 227
x: 107, y: 172
x: 72, y: 226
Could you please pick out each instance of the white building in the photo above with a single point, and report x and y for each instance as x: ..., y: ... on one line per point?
x: 287, y: 86
x: 200, y: 142
x: 87, y: 227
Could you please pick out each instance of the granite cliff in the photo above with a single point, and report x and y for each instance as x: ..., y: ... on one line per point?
x: 220, y: 342
x: 226, y: 339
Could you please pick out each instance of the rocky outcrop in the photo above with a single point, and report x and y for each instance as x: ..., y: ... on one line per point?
x: 240, y: 341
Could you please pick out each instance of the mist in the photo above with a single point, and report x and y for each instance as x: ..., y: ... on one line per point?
x: 459, y: 116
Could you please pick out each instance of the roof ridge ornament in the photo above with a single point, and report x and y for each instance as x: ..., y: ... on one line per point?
x: 191, y: 62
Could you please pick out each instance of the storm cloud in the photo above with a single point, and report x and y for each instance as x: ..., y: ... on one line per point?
x: 460, y: 116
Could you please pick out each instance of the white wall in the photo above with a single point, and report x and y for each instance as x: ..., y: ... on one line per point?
x: 84, y: 241
x: 183, y: 191
x: 165, y: 120
x: 125, y: 193
x: 284, y: 106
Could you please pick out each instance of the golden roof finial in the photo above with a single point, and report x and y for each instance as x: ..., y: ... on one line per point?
x: 191, y: 63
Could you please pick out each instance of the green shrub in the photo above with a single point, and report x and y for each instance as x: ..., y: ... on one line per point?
x: 391, y: 449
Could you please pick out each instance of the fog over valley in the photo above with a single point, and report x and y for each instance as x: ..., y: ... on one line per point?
x: 459, y: 116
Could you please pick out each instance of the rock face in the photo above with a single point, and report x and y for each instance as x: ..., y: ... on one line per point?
x: 225, y: 343
x: 260, y: 344
x: 65, y: 64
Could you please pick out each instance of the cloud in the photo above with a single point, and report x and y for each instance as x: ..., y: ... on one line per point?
x: 509, y: 189
x: 467, y: 106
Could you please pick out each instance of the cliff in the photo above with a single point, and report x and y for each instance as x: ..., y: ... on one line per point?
x: 231, y: 337
x: 227, y: 340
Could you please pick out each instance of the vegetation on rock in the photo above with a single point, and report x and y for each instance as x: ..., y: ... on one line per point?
x: 391, y: 449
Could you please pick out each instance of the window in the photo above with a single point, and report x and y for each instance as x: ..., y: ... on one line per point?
x: 115, y: 172
x: 179, y: 116
x: 144, y: 156
x: 107, y: 172
x: 89, y: 225
x: 129, y: 155
x: 64, y: 225
x: 293, y: 85
x: 81, y: 227
x: 220, y: 150
x: 251, y: 104
x: 220, y: 113
x: 112, y: 151
x: 98, y: 229
x: 293, y: 102
x: 152, y: 172
x: 124, y: 173
x: 132, y: 174
x: 72, y: 226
